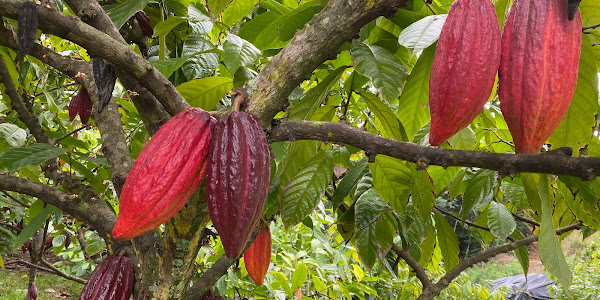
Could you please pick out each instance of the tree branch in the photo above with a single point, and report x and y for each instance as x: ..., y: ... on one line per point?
x: 434, y: 290
x: 102, y: 45
x: 587, y: 168
x: 337, y: 23
x: 414, y: 265
x: 94, y: 212
x: 61, y: 273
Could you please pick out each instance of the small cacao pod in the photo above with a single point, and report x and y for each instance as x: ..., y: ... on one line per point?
x: 28, y: 23
x: 237, y: 179
x: 85, y: 106
x: 32, y: 292
x: 68, y: 241
x: 464, y: 68
x: 111, y: 280
x: 538, y: 70
x: 74, y: 105
x: 144, y: 23
x: 257, y: 257
x: 166, y: 173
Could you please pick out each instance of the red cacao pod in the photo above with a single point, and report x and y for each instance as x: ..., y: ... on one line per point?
x: 74, y: 107
x: 166, y: 173
x: 464, y: 68
x: 538, y: 70
x: 257, y: 257
x: 237, y: 179
x: 111, y: 280
x: 32, y: 292
x: 144, y: 23
x: 85, y: 106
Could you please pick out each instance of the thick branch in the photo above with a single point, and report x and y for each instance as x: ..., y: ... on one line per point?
x: 586, y: 168
x: 434, y: 290
x: 102, y: 45
x: 410, y: 261
x: 337, y: 23
x: 94, y: 212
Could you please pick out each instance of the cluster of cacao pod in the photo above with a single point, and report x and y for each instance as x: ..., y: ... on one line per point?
x: 81, y: 105
x: 235, y: 153
x: 111, y: 280
x: 537, y: 59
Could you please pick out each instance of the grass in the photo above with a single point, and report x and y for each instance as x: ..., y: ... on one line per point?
x: 493, y: 270
x: 13, y: 286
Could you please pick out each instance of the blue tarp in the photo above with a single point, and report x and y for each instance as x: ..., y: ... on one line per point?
x: 535, y: 287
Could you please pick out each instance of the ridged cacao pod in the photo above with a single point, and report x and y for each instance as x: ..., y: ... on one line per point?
x: 237, y: 179
x: 28, y: 23
x: 257, y: 257
x: 144, y: 23
x: 74, y: 105
x: 538, y: 71
x: 464, y: 68
x: 166, y: 173
x: 85, y: 106
x: 111, y: 280
x: 32, y: 292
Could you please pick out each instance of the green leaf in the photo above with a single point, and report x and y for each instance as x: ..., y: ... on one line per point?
x: 13, y: 134
x: 199, y: 19
x: 412, y: 111
x: 95, y: 246
x: 163, y: 28
x: 205, y: 92
x: 349, y: 182
x: 381, y: 66
x: 442, y: 177
x: 304, y: 190
x: 311, y: 100
x: 502, y: 7
x: 216, y: 6
x: 236, y: 10
x: 299, y: 276
x: 423, y: 33
x: 373, y: 231
x: 548, y: 243
x: 422, y: 195
x: 120, y: 13
x: 478, y: 191
x: 33, y: 226
x: 448, y: 242
x: 521, y: 253
x: 500, y: 221
x: 10, y: 65
x: 15, y: 158
x: 253, y: 28
x: 168, y: 66
x: 392, y: 181
x: 1, y: 262
x: 464, y: 139
x: 386, y: 120
x: 515, y: 193
x: 576, y: 128
x: 200, y: 65
x: 239, y: 53
x: 531, y: 186
x: 283, y: 283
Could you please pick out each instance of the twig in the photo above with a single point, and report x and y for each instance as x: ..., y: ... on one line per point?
x: 584, y: 28
x: 54, y: 141
x: 532, y: 222
x: 61, y: 273
x: 429, y: 6
x: 5, y: 193
x: 414, y: 265
x: 501, y: 140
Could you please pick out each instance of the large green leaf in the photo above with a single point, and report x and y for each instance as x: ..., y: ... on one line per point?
x: 200, y: 65
x: 515, y: 193
x: 381, y: 66
x: 299, y: 276
x: 422, y: 196
x: 13, y: 134
x: 163, y: 28
x: 576, y: 128
x: 10, y: 65
x: 548, y: 243
x: 199, y: 19
x: 205, y: 92
x: 239, y: 53
x: 305, y: 107
x: 442, y: 177
x: 502, y: 7
x: 15, y: 158
x: 412, y: 111
x: 478, y: 190
x: 253, y: 28
x: 448, y: 242
x: 120, y: 13
x: 349, y: 182
x: 374, y: 233
x: 521, y: 253
x: 386, y: 120
x: 33, y: 226
x: 500, y: 221
x: 236, y: 10
x: 392, y: 181
x: 304, y: 190
x: 168, y: 66
x: 423, y: 33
